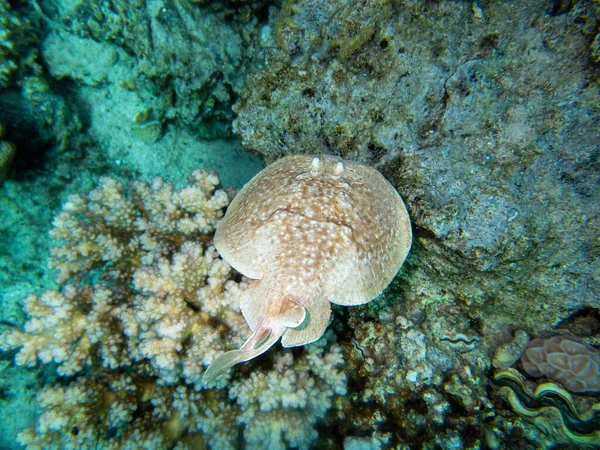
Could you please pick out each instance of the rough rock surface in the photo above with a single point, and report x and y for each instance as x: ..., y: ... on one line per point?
x: 484, y: 115
x: 191, y: 59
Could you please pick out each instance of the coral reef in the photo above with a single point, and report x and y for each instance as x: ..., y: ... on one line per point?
x: 145, y: 305
x: 150, y: 238
x: 182, y: 60
x: 276, y: 408
x: 405, y: 377
x: 566, y: 359
x: 66, y: 121
x: 17, y: 34
x: 161, y: 81
x: 151, y: 220
x: 462, y: 107
x: 483, y: 114
x: 289, y: 400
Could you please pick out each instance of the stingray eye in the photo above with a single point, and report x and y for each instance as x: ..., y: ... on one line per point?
x: 264, y: 336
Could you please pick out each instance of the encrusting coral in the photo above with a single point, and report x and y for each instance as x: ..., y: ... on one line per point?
x: 566, y: 359
x: 146, y: 304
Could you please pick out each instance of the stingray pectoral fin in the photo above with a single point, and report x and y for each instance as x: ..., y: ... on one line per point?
x: 259, y: 342
x: 313, y: 326
x: 291, y: 314
x: 256, y: 301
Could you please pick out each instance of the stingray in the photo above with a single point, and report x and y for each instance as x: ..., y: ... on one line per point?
x: 309, y: 231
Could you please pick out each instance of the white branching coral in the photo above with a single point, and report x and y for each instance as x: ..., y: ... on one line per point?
x: 149, y: 305
x: 56, y: 331
x: 140, y: 414
x: 69, y: 413
x: 280, y: 407
x: 146, y: 305
x: 167, y: 322
x: 108, y: 226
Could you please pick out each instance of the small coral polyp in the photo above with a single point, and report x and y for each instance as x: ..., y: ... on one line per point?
x: 136, y: 340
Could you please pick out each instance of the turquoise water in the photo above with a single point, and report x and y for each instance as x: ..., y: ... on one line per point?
x: 115, y: 119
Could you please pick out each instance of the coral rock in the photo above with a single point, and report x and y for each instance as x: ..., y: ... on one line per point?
x: 508, y: 354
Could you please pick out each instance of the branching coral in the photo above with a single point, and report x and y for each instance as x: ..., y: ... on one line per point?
x: 289, y: 401
x: 138, y: 239
x: 127, y: 231
x: 146, y: 304
x: 138, y: 414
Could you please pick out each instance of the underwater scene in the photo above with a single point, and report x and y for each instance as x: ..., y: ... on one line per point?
x: 299, y: 224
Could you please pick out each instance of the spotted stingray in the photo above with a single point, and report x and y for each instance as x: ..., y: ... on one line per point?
x: 309, y: 231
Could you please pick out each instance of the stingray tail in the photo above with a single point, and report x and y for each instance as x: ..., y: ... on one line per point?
x: 258, y: 343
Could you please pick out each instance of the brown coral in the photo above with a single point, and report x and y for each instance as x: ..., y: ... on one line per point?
x: 566, y: 359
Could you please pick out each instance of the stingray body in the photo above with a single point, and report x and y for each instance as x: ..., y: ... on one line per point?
x: 309, y: 231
